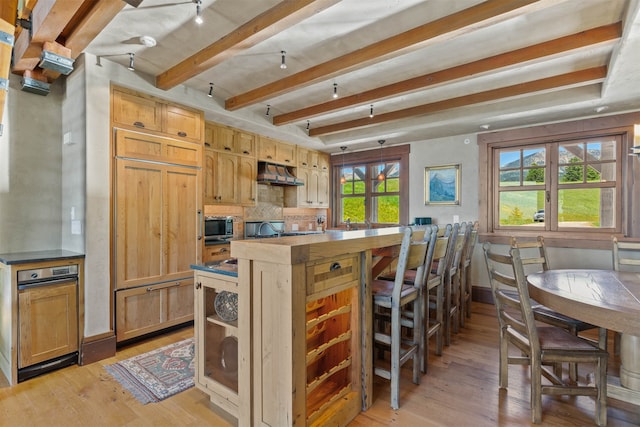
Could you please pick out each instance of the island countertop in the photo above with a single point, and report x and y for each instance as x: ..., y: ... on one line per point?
x: 313, y: 247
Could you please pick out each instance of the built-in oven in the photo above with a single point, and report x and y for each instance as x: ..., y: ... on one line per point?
x: 47, y: 319
x: 218, y: 228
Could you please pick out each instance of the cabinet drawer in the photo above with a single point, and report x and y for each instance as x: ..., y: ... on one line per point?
x: 183, y: 123
x: 330, y: 276
x: 158, y: 149
x: 216, y: 253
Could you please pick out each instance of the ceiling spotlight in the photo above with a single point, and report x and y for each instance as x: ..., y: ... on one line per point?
x: 371, y: 112
x: 335, y: 90
x: 131, y: 66
x: 283, y: 64
x: 308, y: 125
x: 268, y: 110
x: 198, y: 11
x: 210, y: 94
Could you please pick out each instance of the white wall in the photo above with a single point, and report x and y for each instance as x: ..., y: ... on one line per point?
x: 31, y: 148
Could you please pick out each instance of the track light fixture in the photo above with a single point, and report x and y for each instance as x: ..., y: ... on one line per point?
x: 371, y: 112
x: 343, y: 178
x: 335, y: 90
x: 210, y: 94
x: 381, y: 174
x: 283, y: 64
x: 131, y: 66
x: 268, y: 110
x: 198, y: 18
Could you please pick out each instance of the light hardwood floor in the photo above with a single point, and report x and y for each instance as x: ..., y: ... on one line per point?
x: 461, y: 389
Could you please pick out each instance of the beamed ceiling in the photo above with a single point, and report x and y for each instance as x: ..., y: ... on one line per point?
x: 427, y: 69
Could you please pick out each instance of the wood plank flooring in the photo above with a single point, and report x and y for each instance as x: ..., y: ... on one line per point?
x: 461, y: 389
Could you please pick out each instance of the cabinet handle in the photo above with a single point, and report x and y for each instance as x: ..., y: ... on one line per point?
x: 246, y: 152
x: 223, y: 250
x: 315, y: 166
x: 151, y: 289
x: 198, y: 285
x: 287, y: 161
x: 227, y: 148
x: 304, y: 164
x: 182, y: 134
x: 206, y: 144
x: 269, y: 157
x: 138, y: 124
x: 335, y: 266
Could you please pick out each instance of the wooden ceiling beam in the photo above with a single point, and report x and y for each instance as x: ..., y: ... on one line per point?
x: 606, y: 33
x: 573, y: 79
x: 8, y: 10
x: 399, y: 44
x: 280, y: 17
x: 48, y: 19
x: 92, y: 24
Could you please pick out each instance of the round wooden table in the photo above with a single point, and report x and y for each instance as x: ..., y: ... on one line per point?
x: 606, y: 298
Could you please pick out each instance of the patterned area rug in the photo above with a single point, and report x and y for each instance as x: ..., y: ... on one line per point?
x: 154, y: 376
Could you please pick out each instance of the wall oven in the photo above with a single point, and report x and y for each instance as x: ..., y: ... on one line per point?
x: 218, y: 228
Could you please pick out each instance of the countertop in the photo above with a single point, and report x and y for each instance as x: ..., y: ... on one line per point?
x: 220, y: 267
x: 38, y: 256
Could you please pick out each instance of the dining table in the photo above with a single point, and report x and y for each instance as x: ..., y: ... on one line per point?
x: 605, y: 298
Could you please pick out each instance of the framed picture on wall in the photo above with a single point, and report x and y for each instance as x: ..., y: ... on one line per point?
x: 442, y: 185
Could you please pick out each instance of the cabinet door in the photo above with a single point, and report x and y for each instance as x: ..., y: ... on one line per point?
x: 210, y: 158
x: 323, y: 162
x: 248, y: 187
x: 209, y: 134
x: 223, y: 138
x: 302, y: 155
x: 48, y: 322
x: 183, y: 123
x: 286, y: 154
x: 226, y: 179
x: 323, y: 189
x: 217, y: 341
x: 245, y: 143
x: 139, y: 228
x: 147, y: 309
x: 267, y: 149
x: 181, y: 203
x: 312, y: 188
x: 142, y: 146
x: 132, y: 110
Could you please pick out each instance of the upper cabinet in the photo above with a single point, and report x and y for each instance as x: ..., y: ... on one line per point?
x: 224, y: 138
x: 270, y: 150
x: 133, y: 110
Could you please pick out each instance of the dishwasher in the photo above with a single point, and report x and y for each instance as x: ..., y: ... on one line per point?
x: 47, y: 319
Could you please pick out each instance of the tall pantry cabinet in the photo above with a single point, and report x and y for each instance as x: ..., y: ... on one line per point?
x: 156, y: 212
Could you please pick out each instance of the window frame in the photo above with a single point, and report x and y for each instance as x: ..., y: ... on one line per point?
x: 628, y: 171
x: 396, y: 153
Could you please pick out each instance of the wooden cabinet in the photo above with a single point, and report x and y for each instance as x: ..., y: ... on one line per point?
x: 146, y: 309
x: 216, y: 252
x: 154, y: 148
x: 271, y: 150
x: 156, y: 234
x: 146, y: 113
x: 313, y: 170
x: 229, y: 166
x: 222, y: 332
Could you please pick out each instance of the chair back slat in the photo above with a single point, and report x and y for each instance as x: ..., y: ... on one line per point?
x: 626, y: 256
x: 532, y: 252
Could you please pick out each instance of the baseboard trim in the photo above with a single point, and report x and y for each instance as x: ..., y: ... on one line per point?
x: 98, y: 348
x: 481, y: 294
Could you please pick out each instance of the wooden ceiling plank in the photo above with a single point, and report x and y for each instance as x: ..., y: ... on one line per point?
x: 280, y: 17
x: 92, y: 24
x: 572, y: 79
x: 399, y: 44
x: 591, y: 37
x: 48, y: 19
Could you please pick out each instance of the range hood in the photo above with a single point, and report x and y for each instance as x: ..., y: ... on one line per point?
x: 274, y: 174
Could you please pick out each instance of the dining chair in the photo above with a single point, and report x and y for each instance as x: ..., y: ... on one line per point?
x: 434, y: 298
x: 391, y: 301
x: 626, y: 257
x: 534, y: 258
x: 465, y: 272
x: 541, y: 347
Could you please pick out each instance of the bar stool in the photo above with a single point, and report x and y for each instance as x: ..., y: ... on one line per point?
x: 390, y: 300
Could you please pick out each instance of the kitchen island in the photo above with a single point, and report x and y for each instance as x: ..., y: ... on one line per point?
x: 303, y: 327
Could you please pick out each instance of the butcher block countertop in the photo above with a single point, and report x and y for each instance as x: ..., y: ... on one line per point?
x: 300, y: 249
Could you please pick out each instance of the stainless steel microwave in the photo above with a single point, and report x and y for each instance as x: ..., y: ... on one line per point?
x: 218, y: 227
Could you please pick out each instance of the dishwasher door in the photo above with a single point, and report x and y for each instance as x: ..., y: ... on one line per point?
x: 48, y: 325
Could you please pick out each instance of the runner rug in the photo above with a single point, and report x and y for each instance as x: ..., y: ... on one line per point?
x: 158, y: 374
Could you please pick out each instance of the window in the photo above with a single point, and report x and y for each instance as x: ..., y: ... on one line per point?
x: 558, y: 185
x: 371, y: 187
x: 566, y: 181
